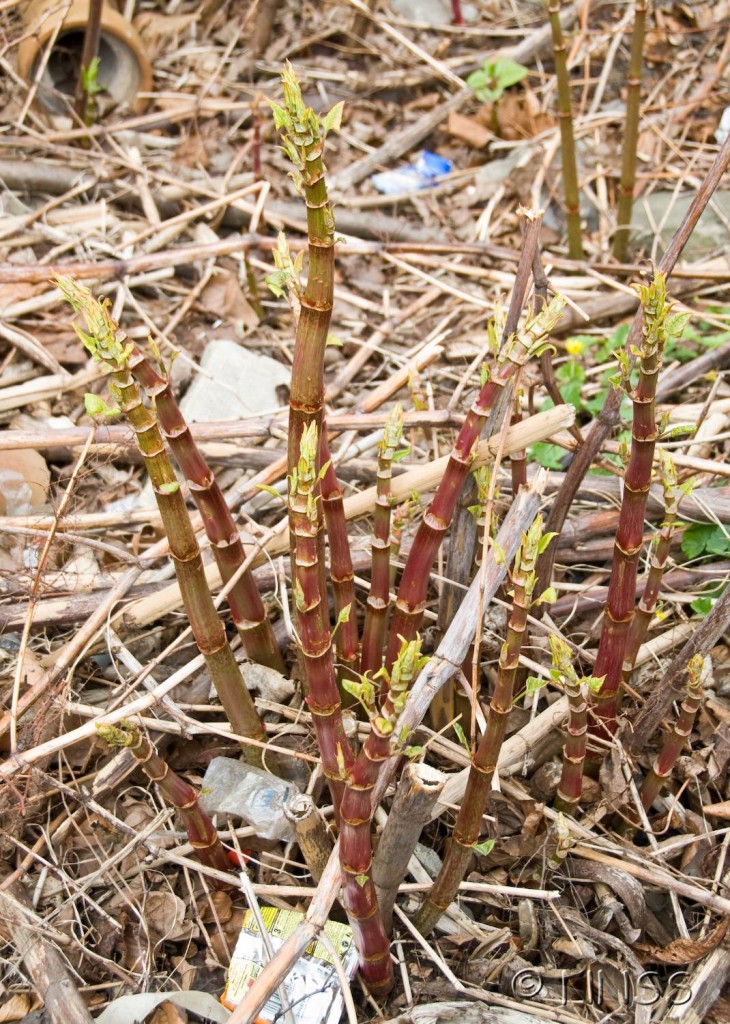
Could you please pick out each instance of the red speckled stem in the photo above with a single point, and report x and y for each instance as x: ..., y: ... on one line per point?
x: 484, y: 762
x: 628, y: 543
x: 413, y: 590
x: 244, y: 600
x: 675, y: 742
x: 176, y: 791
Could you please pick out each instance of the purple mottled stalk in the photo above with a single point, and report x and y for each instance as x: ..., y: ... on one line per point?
x: 356, y: 851
x: 244, y: 599
x: 484, y: 762
x: 567, y: 138
x: 341, y: 571
x: 303, y: 134
x: 658, y: 557
x: 570, y: 787
x: 176, y: 791
x: 312, y: 615
x: 620, y: 601
x: 664, y: 762
x: 518, y: 348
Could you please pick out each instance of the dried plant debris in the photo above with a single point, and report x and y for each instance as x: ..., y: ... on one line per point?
x: 272, y: 542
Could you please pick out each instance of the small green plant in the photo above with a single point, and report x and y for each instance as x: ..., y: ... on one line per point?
x: 706, y: 542
x: 490, y: 81
x: 704, y: 539
x: 90, y: 78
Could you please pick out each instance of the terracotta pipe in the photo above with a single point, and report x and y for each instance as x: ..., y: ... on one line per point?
x: 124, y: 69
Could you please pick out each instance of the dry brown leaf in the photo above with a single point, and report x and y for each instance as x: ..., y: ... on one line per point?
x: 215, y: 905
x: 187, y: 971
x: 134, y: 947
x: 19, y: 291
x: 577, y: 948
x: 224, y: 297
x: 163, y: 31
x: 15, y: 1008
x: 168, y: 1013
x: 165, y: 917
x: 612, y: 780
x: 192, y: 151
x: 520, y: 115
x: 468, y: 129
x: 683, y: 951
x: 224, y: 939
x: 24, y: 479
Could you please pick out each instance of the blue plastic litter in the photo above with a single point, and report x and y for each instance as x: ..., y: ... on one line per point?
x: 413, y: 177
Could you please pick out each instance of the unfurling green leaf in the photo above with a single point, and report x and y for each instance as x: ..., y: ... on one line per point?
x: 96, y: 406
x: 342, y: 616
x: 460, y: 735
x: 485, y: 848
x: 332, y: 121
x: 544, y: 541
x: 271, y: 490
x: 363, y: 691
x: 90, y: 78
x: 533, y: 684
x: 594, y: 683
x: 494, y: 76
x: 103, y: 337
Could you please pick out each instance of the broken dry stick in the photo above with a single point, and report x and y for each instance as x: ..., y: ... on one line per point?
x: 418, y: 790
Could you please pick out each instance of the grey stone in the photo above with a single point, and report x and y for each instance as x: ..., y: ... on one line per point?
x: 432, y: 12
x: 661, y: 212
x: 234, y: 382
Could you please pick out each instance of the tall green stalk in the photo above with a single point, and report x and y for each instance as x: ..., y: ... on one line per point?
x: 484, y: 762
x: 571, y: 190
x: 176, y: 791
x: 631, y: 134
x: 356, y: 812
x: 108, y: 343
x: 658, y: 326
x: 518, y: 348
x: 244, y: 600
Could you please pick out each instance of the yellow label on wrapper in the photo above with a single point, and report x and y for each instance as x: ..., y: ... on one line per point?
x: 312, y: 986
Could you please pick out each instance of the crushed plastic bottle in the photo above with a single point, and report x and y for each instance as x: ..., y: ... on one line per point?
x: 723, y: 129
x: 236, y: 788
x: 413, y: 177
